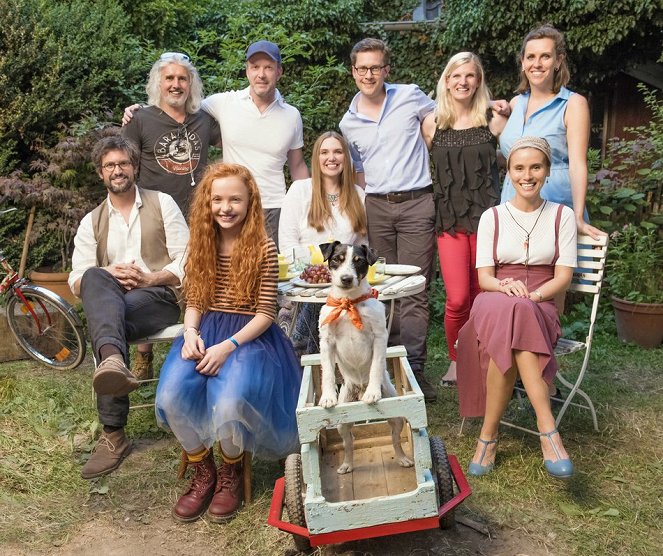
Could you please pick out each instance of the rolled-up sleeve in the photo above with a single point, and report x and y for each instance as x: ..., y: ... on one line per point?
x: 177, y: 235
x: 85, y: 251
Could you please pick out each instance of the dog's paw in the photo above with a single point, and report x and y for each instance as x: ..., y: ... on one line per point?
x: 345, y: 468
x: 327, y: 401
x: 372, y: 395
x: 405, y: 461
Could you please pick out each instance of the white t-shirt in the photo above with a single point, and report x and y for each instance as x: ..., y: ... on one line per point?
x: 294, y: 231
x: 259, y: 141
x: 511, y: 240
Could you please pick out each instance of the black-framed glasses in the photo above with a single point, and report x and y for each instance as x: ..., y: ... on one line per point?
x: 110, y: 166
x: 375, y: 70
x: 173, y: 56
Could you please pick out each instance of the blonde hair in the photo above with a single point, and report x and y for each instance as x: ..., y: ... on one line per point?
x: 445, y: 112
x: 562, y: 76
x: 350, y: 204
x: 195, y: 98
x: 205, y: 238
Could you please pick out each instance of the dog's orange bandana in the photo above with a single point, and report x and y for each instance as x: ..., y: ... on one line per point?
x: 347, y: 304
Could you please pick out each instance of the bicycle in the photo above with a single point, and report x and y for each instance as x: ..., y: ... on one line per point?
x: 46, y: 327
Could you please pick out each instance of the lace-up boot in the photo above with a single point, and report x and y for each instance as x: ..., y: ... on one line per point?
x: 228, y: 493
x: 193, y: 503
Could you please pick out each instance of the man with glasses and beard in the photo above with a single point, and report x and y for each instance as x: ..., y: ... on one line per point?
x: 127, y: 268
x: 173, y: 136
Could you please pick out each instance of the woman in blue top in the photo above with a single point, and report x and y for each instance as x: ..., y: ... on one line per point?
x: 546, y: 108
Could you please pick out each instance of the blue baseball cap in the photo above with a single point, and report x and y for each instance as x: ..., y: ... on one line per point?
x: 265, y: 47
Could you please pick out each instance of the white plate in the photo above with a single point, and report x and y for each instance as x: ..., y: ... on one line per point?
x: 289, y: 277
x: 305, y: 284
x: 401, y: 269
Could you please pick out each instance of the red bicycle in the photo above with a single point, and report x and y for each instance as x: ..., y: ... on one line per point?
x: 46, y: 326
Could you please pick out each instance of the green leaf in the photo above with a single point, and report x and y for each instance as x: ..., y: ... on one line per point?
x: 644, y: 171
x: 610, y: 512
x: 569, y: 509
x: 605, y: 209
x: 630, y: 207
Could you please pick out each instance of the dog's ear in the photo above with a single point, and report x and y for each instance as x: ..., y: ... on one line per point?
x: 327, y: 249
x: 371, y: 255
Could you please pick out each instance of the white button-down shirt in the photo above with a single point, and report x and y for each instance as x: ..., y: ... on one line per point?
x: 124, y: 239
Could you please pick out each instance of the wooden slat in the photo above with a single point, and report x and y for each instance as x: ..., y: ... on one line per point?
x: 335, y: 487
x: 369, y: 478
x: 399, y: 479
x: 586, y: 288
x: 586, y: 263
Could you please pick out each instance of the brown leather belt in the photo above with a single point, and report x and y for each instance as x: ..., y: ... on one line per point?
x: 401, y: 196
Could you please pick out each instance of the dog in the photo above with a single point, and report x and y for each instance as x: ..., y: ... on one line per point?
x: 353, y: 335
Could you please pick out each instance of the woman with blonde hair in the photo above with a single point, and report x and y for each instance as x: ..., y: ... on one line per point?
x: 233, y: 376
x: 461, y: 135
x: 326, y: 206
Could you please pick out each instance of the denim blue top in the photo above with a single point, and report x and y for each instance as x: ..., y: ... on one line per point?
x: 546, y: 122
x: 391, y: 151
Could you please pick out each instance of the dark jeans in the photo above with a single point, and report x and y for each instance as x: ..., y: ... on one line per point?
x: 116, y: 316
x: 404, y: 233
x: 272, y: 217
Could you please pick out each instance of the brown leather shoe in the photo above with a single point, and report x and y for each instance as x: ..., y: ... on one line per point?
x: 142, y: 367
x: 114, y: 378
x: 228, y: 493
x: 429, y: 392
x: 193, y: 503
x: 108, y: 454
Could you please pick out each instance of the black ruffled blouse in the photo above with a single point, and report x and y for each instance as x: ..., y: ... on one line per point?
x: 467, y: 179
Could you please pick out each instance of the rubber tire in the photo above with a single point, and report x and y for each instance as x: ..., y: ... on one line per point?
x: 294, y: 501
x: 444, y: 484
x: 71, y: 323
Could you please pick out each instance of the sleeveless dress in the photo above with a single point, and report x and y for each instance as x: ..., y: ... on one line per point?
x: 546, y: 122
x: 466, y: 175
x: 498, y: 324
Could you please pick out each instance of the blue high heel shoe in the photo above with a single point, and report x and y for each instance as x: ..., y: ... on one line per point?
x: 560, y: 469
x: 476, y: 469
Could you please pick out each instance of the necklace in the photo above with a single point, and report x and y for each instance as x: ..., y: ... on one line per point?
x: 332, y: 198
x: 527, y: 235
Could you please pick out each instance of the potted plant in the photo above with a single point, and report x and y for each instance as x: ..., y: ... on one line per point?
x: 634, y: 275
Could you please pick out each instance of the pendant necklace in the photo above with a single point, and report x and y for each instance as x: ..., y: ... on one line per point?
x: 332, y: 198
x: 527, y: 235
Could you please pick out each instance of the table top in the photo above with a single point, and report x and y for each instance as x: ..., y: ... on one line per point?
x: 394, y: 287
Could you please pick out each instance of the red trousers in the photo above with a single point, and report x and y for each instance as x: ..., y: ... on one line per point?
x: 458, y: 256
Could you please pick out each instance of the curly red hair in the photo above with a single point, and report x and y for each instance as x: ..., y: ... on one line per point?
x: 205, y: 237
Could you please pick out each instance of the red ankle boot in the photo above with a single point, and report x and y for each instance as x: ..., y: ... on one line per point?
x: 193, y: 503
x: 228, y: 493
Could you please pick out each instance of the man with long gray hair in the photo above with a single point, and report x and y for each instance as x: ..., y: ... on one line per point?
x: 172, y: 133
x: 173, y: 136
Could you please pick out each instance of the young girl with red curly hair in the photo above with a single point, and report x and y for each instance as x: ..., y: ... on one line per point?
x: 233, y: 376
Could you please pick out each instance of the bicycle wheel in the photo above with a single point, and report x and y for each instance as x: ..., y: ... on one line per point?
x: 46, y: 327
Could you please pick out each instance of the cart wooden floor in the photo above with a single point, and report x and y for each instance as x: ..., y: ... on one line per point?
x: 375, y: 473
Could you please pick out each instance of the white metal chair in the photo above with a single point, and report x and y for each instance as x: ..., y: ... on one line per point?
x: 587, y: 278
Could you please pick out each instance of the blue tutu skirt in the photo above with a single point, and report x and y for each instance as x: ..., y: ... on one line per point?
x: 250, y: 404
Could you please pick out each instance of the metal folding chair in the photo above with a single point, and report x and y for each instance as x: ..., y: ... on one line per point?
x: 587, y: 278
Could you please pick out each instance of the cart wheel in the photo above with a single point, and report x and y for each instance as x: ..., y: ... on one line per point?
x: 294, y: 498
x: 442, y: 478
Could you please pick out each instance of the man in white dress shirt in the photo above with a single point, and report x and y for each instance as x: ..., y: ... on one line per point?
x: 127, y: 267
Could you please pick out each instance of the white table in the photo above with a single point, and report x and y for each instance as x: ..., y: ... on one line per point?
x: 393, y: 288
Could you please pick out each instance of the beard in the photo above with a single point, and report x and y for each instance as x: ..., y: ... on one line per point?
x: 119, y: 188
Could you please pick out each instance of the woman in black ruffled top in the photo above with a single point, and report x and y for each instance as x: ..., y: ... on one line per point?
x: 462, y: 137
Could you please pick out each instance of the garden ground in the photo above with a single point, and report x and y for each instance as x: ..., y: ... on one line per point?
x: 614, y: 504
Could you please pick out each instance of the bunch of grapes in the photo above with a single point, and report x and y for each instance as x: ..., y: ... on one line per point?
x: 316, y: 274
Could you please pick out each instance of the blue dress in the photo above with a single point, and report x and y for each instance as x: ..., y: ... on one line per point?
x: 250, y: 403
x: 546, y: 122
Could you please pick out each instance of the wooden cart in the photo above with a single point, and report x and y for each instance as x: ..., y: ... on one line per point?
x: 379, y: 497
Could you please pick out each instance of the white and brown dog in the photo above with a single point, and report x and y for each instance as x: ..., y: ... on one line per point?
x: 353, y: 335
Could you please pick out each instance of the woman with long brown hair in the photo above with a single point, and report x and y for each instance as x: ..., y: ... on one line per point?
x: 233, y: 377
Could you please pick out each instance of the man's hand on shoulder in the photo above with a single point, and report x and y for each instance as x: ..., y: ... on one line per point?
x: 129, y: 113
x: 499, y: 107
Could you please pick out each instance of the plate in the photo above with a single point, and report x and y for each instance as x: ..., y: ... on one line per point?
x: 290, y: 276
x: 378, y: 280
x: 305, y: 284
x: 401, y: 269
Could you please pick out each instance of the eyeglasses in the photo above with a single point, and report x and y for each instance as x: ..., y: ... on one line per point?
x: 110, y: 166
x: 173, y: 55
x: 375, y: 70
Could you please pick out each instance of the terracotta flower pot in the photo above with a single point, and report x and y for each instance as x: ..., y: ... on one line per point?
x: 56, y: 282
x: 640, y: 323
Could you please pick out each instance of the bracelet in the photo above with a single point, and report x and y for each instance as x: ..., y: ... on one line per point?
x: 191, y: 328
x: 234, y: 341
x: 538, y: 292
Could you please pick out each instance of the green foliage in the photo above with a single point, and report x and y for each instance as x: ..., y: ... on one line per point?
x: 628, y: 186
x: 635, y: 260
x: 59, y: 60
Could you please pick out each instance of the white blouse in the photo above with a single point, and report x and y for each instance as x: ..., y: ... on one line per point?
x: 294, y: 230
